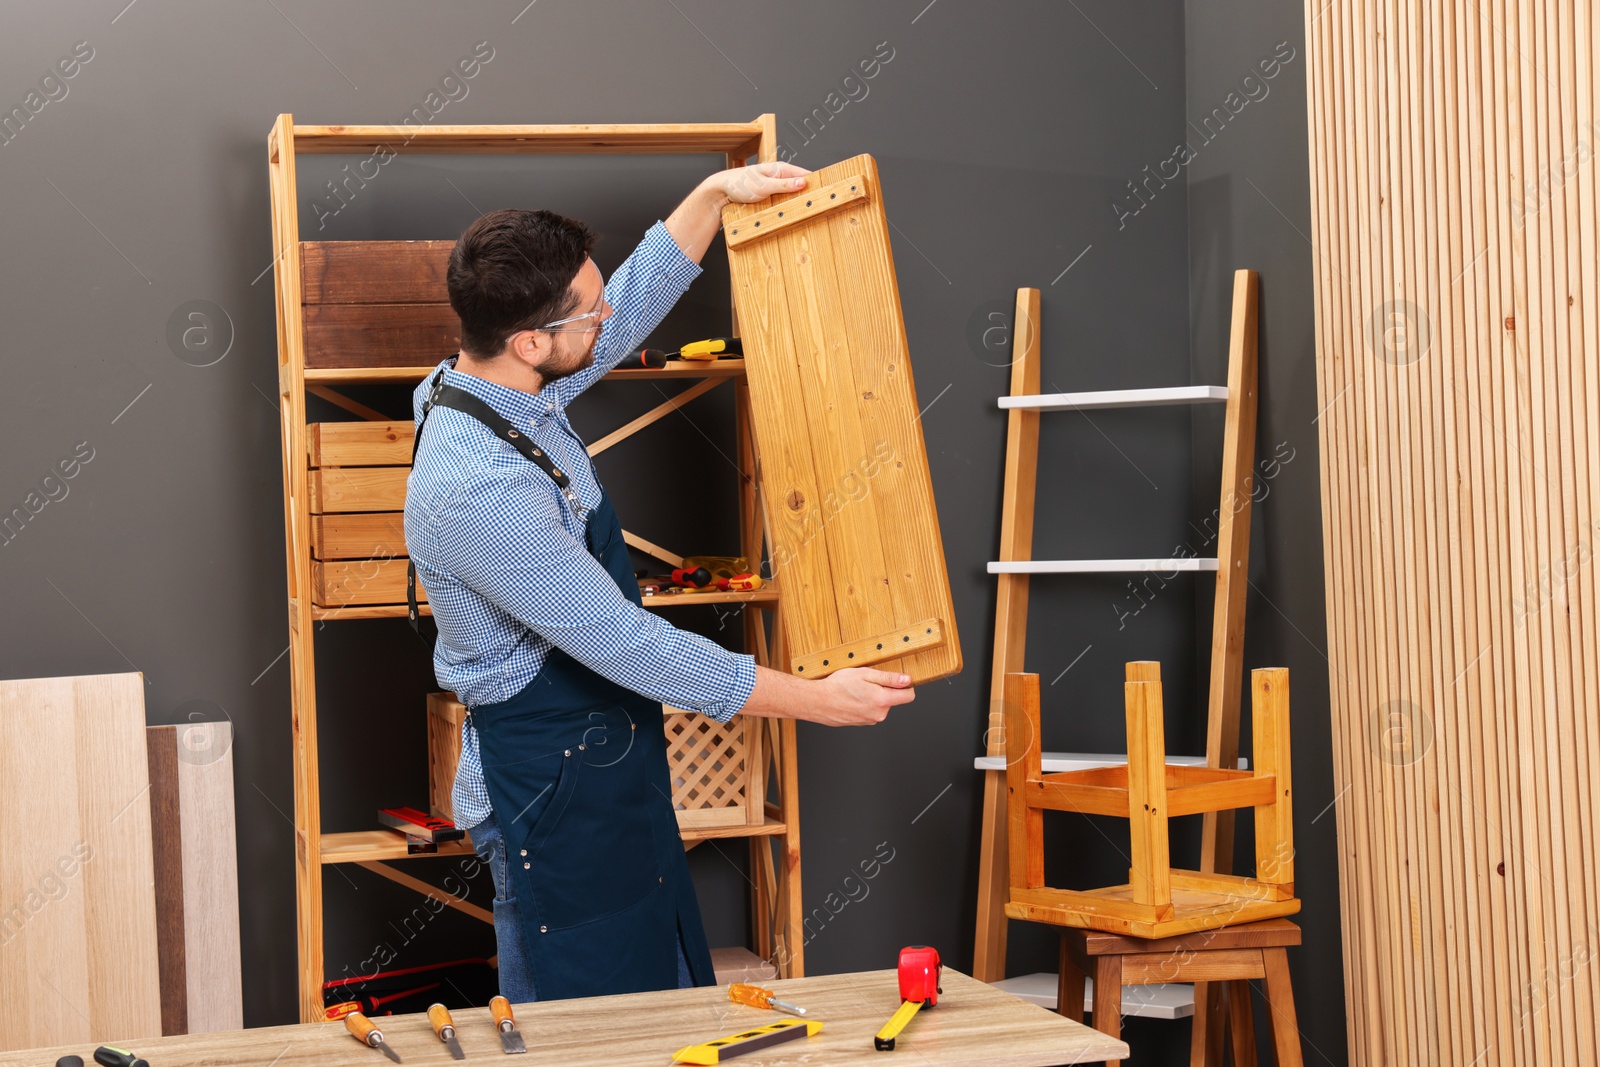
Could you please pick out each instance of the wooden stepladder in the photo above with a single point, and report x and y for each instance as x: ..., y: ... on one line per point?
x: 1015, y: 565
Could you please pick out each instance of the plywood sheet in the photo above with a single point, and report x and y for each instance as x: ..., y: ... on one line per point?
x: 77, y: 895
x: 852, y: 530
x: 197, y: 877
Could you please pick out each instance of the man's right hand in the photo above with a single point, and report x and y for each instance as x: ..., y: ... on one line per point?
x: 854, y: 696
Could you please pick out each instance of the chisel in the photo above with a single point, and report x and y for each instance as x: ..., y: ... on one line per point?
x: 366, y: 1031
x: 445, y: 1027
x: 510, y: 1039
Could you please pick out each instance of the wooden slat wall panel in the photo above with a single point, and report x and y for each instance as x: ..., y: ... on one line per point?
x: 1454, y: 235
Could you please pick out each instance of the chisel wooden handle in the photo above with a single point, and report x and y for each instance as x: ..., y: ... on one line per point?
x: 362, y: 1027
x: 439, y: 1019
x: 500, y: 1012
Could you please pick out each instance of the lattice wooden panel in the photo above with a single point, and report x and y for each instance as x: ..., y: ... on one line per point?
x: 716, y: 770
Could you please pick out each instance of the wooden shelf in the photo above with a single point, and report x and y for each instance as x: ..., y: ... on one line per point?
x: 366, y: 611
x: 1056, y: 762
x: 364, y: 846
x: 1118, y: 398
x: 1191, y: 564
x: 678, y: 138
x: 760, y: 598
x: 678, y: 368
x: 769, y: 828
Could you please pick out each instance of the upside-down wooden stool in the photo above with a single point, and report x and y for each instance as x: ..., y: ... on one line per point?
x: 1230, y: 957
x: 1162, y: 917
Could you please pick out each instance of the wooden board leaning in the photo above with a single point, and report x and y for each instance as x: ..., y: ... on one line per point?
x: 851, y: 524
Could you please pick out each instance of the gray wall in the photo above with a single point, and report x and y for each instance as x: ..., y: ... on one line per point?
x: 1004, y: 133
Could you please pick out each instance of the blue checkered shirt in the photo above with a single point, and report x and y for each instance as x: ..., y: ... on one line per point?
x: 503, y: 556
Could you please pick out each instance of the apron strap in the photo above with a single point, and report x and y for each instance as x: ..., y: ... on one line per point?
x: 449, y: 396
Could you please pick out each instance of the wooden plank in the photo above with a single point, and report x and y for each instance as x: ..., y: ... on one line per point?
x: 1083, y: 799
x: 345, y: 489
x: 1147, y: 794
x: 1010, y: 631
x: 1025, y: 823
x: 1212, y: 965
x: 360, y: 444
x: 581, y: 139
x: 1269, y: 725
x: 873, y: 650
x: 1248, y: 792
x: 835, y: 419
x: 340, y: 583
x: 446, y: 715
x: 1233, y: 548
x: 388, y: 335
x: 362, y: 535
x: 780, y: 217
x: 654, y: 415
x: 196, y: 877
x: 443, y: 898
x: 974, y: 1026
x: 76, y: 871
x: 374, y: 272
x: 367, y: 846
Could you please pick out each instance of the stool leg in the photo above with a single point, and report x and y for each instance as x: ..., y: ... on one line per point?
x: 1069, y: 987
x: 1208, y: 1024
x: 1241, y: 1023
x: 1280, y: 1001
x: 1108, y: 999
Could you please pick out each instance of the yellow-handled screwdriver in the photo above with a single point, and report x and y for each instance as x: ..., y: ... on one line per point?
x: 756, y: 997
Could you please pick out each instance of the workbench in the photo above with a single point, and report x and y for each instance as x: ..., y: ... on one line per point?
x: 974, y: 1024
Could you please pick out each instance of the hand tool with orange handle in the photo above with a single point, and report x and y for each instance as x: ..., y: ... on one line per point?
x: 366, y: 1031
x: 445, y: 1027
x: 506, y: 1023
x: 919, y: 988
x: 757, y: 997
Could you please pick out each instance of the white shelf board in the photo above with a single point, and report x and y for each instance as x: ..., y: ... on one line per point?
x: 1119, y: 398
x: 1056, y: 762
x: 1192, y: 564
x: 1166, y: 1000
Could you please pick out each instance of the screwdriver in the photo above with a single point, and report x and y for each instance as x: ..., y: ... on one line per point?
x: 445, y: 1027
x: 366, y: 1031
x: 757, y: 997
x: 111, y: 1056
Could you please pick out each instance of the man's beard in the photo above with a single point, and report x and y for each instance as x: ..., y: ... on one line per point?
x: 572, y: 366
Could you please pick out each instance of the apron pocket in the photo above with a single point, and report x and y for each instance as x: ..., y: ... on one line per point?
x: 592, y: 851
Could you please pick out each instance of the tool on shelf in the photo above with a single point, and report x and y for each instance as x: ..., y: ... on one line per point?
x: 445, y: 1027
x: 506, y: 1023
x: 919, y: 988
x: 652, y: 358
x: 747, y: 1041
x: 111, y: 1056
x: 419, y: 824
x: 334, y: 1012
x: 366, y: 1031
x: 70, y: 1061
x: 756, y: 997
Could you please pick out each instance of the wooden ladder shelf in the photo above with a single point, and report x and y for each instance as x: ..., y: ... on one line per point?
x: 374, y: 312
x: 1012, y: 570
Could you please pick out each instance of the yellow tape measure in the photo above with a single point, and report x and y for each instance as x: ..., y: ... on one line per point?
x: 747, y: 1041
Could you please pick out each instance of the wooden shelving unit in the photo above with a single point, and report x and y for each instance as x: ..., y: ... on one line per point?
x: 315, y: 368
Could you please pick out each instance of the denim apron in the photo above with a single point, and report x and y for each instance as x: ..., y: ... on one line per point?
x: 576, y: 770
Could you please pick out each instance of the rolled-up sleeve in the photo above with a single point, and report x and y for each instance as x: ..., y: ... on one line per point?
x: 528, y: 565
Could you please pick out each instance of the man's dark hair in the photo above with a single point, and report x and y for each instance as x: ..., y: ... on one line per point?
x: 512, y: 270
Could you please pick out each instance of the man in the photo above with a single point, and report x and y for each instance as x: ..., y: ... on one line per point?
x: 563, y: 780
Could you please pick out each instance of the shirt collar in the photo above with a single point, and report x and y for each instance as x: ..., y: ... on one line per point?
x: 512, y: 404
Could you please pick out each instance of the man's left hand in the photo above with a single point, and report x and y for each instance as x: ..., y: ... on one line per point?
x: 746, y: 185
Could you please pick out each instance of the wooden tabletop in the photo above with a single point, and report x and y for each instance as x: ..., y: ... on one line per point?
x: 974, y: 1024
